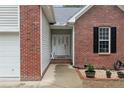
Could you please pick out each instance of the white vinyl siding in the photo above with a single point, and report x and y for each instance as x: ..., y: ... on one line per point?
x: 46, y: 42
x: 9, y: 18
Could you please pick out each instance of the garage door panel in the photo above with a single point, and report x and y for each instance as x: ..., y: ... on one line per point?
x: 11, y: 70
x: 8, y: 43
x: 9, y: 55
x: 8, y: 59
x: 11, y: 50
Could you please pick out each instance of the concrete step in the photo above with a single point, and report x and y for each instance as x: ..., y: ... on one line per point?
x: 61, y: 61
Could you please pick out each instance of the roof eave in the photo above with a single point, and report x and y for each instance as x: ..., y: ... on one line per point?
x: 48, y: 10
x: 83, y: 11
x: 121, y: 7
x: 77, y: 15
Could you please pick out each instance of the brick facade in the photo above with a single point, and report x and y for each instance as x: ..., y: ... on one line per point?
x: 98, y: 16
x: 30, y: 42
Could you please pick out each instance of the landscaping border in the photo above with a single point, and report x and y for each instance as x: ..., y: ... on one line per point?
x: 84, y: 78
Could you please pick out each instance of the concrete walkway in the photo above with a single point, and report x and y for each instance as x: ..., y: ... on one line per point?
x: 57, y: 76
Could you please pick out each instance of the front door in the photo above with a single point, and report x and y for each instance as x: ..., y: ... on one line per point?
x: 61, y: 45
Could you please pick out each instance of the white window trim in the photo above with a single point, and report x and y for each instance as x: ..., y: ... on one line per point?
x: 102, y: 53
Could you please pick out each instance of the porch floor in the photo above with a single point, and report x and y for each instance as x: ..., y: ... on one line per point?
x: 61, y: 61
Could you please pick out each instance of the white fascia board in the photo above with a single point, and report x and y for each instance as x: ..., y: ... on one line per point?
x: 121, y: 7
x: 60, y: 27
x: 81, y: 12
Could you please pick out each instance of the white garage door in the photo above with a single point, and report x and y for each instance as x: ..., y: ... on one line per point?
x: 9, y: 55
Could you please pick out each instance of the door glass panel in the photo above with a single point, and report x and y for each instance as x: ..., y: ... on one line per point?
x: 54, y: 41
x: 58, y: 39
x: 67, y: 41
x: 62, y: 39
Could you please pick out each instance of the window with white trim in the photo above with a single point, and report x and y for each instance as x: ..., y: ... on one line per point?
x: 104, y: 39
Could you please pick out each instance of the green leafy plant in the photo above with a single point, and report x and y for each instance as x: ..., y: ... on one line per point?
x: 108, y: 72
x: 90, y: 68
x: 90, y: 72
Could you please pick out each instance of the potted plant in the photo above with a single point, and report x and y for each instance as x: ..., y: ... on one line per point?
x: 120, y: 74
x: 108, y: 73
x: 90, y: 72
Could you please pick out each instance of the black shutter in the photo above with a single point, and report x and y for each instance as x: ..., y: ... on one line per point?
x: 113, y: 39
x: 95, y: 39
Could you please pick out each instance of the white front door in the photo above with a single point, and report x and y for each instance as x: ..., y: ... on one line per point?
x: 61, y: 45
x: 9, y: 55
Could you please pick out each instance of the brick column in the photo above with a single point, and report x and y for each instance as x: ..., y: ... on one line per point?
x: 30, y: 42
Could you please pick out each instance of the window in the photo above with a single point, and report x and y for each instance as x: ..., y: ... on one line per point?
x: 104, y: 39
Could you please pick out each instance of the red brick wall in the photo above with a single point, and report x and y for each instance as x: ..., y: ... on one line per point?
x: 98, y: 16
x: 30, y: 42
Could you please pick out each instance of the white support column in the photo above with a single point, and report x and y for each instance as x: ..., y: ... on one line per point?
x: 73, y: 44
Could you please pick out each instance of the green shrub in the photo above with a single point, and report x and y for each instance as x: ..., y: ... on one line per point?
x: 90, y: 68
x: 108, y: 72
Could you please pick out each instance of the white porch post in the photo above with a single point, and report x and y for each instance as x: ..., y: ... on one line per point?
x: 73, y: 45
